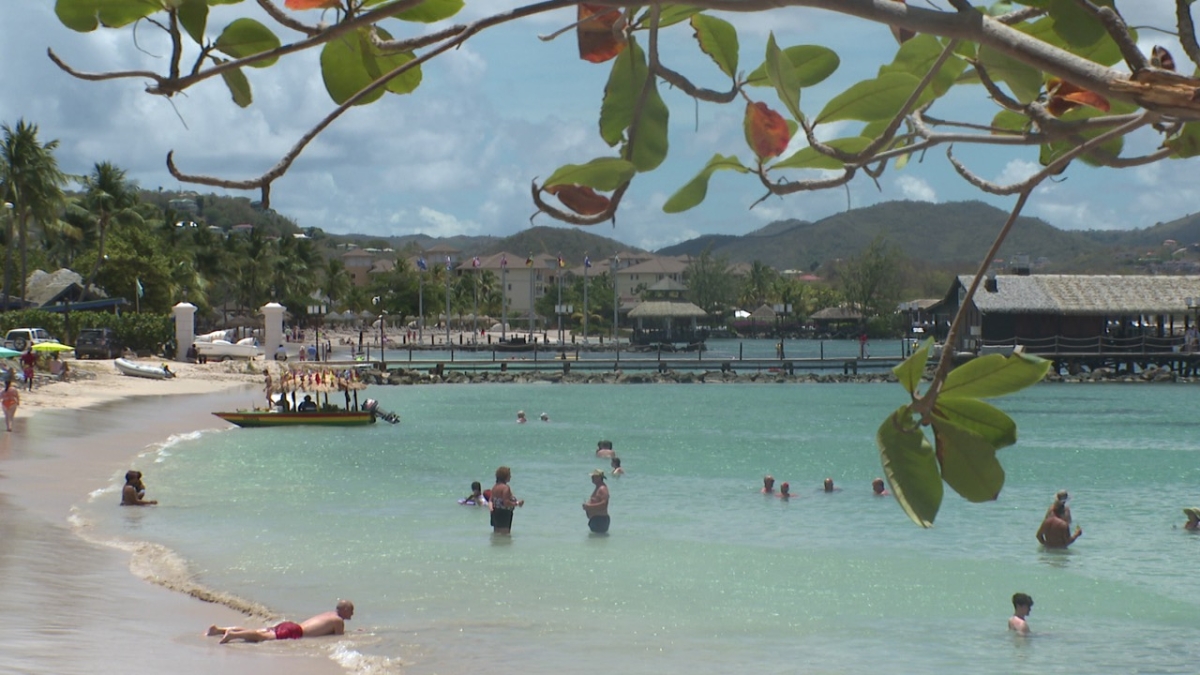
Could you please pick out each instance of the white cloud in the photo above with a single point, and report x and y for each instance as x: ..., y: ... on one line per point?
x: 916, y: 189
x: 445, y: 224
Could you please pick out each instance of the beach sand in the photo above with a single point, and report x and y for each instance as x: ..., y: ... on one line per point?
x: 75, y: 606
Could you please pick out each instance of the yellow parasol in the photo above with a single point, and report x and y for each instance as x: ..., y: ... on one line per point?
x: 52, y: 347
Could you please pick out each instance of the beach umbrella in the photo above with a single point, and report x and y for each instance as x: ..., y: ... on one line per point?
x: 52, y: 347
x: 6, y: 353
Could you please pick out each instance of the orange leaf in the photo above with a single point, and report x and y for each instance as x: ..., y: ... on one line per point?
x: 1065, y: 96
x: 902, y: 35
x: 312, y: 4
x: 599, y: 32
x: 580, y: 199
x: 766, y: 131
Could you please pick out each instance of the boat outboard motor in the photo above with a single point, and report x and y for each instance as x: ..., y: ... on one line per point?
x: 372, y: 406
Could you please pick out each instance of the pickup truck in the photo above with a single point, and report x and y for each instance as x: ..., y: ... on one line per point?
x: 20, y: 338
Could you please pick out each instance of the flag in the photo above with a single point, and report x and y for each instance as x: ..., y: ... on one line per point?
x: 561, y: 263
x: 448, y: 263
x: 587, y: 262
x: 504, y: 260
x: 529, y: 260
x: 475, y: 262
x: 421, y: 265
x: 141, y: 292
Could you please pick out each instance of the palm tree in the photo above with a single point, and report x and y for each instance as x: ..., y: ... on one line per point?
x: 108, y: 196
x: 31, y: 181
x: 335, y: 280
x: 759, y: 285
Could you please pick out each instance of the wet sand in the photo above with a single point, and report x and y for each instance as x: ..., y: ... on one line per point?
x: 75, y: 606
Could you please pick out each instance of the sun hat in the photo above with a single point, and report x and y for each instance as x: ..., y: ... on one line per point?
x: 598, y: 472
x: 1192, y: 512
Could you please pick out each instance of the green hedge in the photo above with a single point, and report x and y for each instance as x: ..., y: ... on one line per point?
x: 139, y: 332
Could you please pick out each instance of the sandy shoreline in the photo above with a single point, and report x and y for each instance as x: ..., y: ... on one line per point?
x: 74, y: 606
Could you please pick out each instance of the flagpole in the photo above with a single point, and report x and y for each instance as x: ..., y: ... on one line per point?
x: 447, y: 302
x: 530, y: 268
x: 616, y: 300
x: 559, y: 308
x: 503, y: 297
x: 420, y: 306
x: 475, y: 321
x: 586, y: 264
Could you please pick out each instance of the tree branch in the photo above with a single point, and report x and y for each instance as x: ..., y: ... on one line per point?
x: 1187, y: 30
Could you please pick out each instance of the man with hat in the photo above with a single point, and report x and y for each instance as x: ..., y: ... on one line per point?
x: 1193, y: 519
x: 596, y: 507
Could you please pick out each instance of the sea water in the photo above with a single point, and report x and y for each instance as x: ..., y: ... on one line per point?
x: 700, y: 573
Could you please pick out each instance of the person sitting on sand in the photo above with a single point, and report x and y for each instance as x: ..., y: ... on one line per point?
x: 878, y: 488
x: 326, y: 623
x: 1055, y: 531
x: 1022, y: 606
x: 134, y: 491
x: 768, y: 485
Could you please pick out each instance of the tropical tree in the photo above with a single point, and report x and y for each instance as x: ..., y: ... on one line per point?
x: 32, y: 183
x: 870, y: 281
x: 711, y: 284
x: 107, y: 196
x: 335, y: 280
x: 759, y: 285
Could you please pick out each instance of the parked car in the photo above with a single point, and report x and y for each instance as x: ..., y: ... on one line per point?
x: 20, y: 338
x: 98, y: 343
x: 220, y: 350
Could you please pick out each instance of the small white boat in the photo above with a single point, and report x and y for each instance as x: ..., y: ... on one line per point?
x: 219, y: 350
x: 135, y: 369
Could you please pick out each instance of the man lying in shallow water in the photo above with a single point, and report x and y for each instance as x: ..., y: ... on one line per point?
x: 326, y: 623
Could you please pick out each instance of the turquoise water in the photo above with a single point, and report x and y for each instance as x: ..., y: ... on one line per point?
x: 700, y: 573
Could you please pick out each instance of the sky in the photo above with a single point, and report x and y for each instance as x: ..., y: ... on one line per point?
x: 458, y: 155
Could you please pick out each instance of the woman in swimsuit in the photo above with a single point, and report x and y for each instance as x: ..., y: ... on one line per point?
x: 9, y: 399
x: 503, y: 502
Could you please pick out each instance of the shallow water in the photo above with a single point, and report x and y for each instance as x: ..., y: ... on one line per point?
x: 700, y: 572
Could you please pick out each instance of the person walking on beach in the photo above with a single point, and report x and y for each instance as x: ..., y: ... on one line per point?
x: 10, y: 399
x: 1022, y: 606
x: 326, y: 623
x: 1055, y: 531
x: 503, y: 502
x: 596, y: 507
x: 134, y: 492
x: 28, y: 361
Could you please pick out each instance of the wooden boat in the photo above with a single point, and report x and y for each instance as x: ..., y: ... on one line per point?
x: 135, y: 369
x: 270, y: 418
x: 337, y: 418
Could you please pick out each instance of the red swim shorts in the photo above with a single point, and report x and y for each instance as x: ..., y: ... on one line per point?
x: 288, y: 631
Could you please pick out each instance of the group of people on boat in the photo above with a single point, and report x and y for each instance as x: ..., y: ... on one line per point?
x: 293, y: 380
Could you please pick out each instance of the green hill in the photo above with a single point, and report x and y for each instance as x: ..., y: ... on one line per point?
x: 955, y: 234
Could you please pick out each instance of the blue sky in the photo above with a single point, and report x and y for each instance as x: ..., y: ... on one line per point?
x: 458, y: 155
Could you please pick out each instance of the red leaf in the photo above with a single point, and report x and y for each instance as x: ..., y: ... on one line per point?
x: 312, y: 4
x: 580, y: 199
x: 599, y: 32
x: 902, y: 35
x: 766, y: 131
x: 1065, y: 96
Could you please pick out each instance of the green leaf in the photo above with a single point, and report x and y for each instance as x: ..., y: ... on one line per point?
x: 978, y: 417
x: 193, y: 16
x: 605, y: 174
x: 811, y: 63
x: 246, y: 37
x: 1011, y: 121
x: 696, y: 190
x: 969, y: 464
x: 912, y: 369
x: 239, y: 86
x: 1111, y: 148
x: 917, y: 56
x: 808, y: 158
x: 85, y: 16
x: 350, y: 63
x: 719, y: 39
x: 1075, y: 24
x: 871, y: 100
x: 910, y: 467
x: 1024, y: 82
x: 1103, y: 51
x: 621, y: 93
x: 783, y: 76
x: 214, y: 3
x: 669, y: 16
x: 994, y: 375
x: 429, y: 11
x: 1187, y: 142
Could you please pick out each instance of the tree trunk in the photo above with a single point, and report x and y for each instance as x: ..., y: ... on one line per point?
x: 24, y: 231
x: 8, y: 257
x: 87, y: 285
